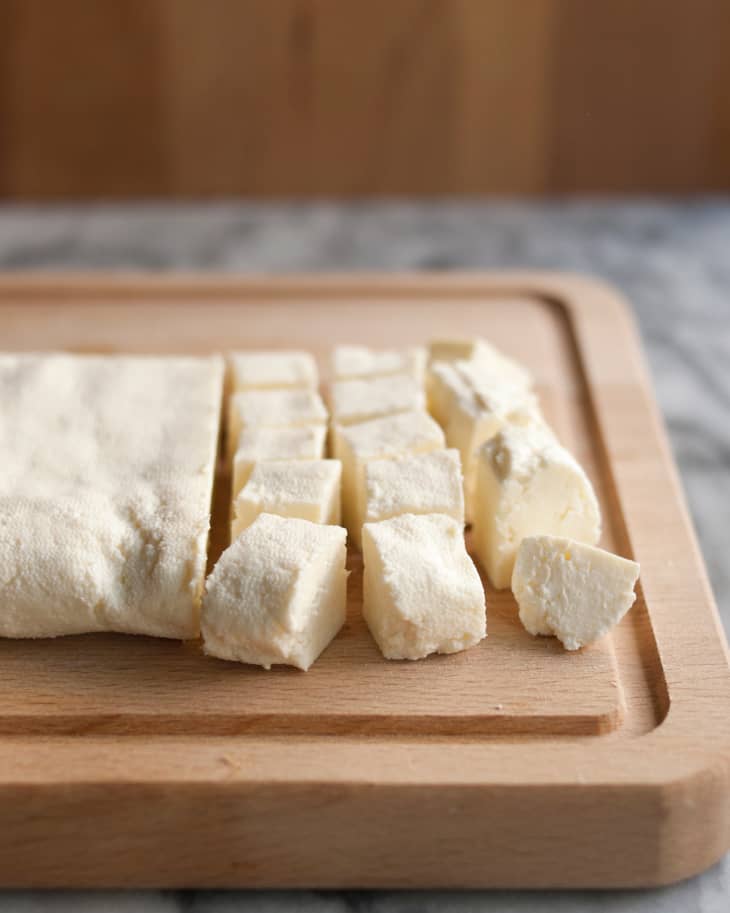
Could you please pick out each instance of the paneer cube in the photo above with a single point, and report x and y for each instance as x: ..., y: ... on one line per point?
x: 278, y: 594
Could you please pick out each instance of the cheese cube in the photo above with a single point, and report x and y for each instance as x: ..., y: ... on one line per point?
x: 445, y: 383
x: 458, y: 367
x: 308, y: 489
x: 528, y: 485
x: 105, y: 492
x: 572, y: 590
x: 274, y: 370
x: 478, y: 351
x: 427, y: 483
x: 380, y: 439
x: 353, y: 401
x: 421, y: 591
x: 478, y: 414
x: 277, y: 594
x: 273, y: 408
x: 257, y: 443
x: 360, y: 361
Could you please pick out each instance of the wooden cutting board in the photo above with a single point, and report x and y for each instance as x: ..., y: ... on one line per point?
x: 135, y: 762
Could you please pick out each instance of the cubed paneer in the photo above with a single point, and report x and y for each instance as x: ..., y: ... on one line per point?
x: 308, y: 489
x: 528, y: 485
x: 273, y: 408
x: 361, y: 361
x: 421, y: 591
x: 259, y: 443
x: 354, y: 401
x: 572, y: 590
x: 425, y: 483
x: 278, y: 594
x: 380, y: 439
x: 272, y: 370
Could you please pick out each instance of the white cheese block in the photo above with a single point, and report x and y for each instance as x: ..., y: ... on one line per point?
x: 274, y: 409
x: 572, y: 590
x: 308, y: 489
x: 257, y: 443
x: 275, y: 370
x: 380, y: 439
x: 528, y: 485
x: 421, y: 591
x: 105, y: 492
x: 278, y: 594
x: 426, y: 483
x: 360, y: 361
x: 354, y: 401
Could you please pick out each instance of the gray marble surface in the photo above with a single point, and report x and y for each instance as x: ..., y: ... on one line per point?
x: 671, y: 259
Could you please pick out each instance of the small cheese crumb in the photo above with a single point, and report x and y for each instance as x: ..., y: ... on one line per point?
x: 277, y: 594
x: 528, y: 484
x: 382, y: 438
x: 308, y: 489
x: 354, y: 401
x: 273, y: 408
x: 275, y: 370
x: 421, y: 591
x: 427, y: 483
x: 257, y: 443
x: 572, y: 590
x: 360, y: 361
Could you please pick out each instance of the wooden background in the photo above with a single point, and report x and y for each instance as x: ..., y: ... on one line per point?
x: 304, y: 97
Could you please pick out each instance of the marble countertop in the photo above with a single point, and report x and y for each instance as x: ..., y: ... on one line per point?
x: 670, y: 259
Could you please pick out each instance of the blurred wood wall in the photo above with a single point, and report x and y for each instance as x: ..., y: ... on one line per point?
x: 305, y: 97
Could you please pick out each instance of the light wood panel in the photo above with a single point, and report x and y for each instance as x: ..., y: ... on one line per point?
x: 361, y: 772
x: 307, y: 97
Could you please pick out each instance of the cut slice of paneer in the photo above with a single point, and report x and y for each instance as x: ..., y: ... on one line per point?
x: 572, y: 590
x: 278, y: 594
x: 274, y: 370
x: 259, y: 443
x: 421, y: 591
x: 528, y: 485
x: 360, y: 361
x: 308, y: 489
x: 274, y: 409
x: 426, y: 483
x: 380, y: 439
x: 354, y: 401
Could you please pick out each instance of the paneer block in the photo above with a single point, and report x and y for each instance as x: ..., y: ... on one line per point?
x: 360, y: 361
x: 380, y: 439
x: 308, y: 489
x: 528, y: 485
x: 572, y: 590
x: 427, y: 483
x: 274, y: 409
x: 105, y: 492
x: 274, y: 370
x: 421, y: 591
x: 258, y: 443
x: 278, y: 594
x: 354, y: 401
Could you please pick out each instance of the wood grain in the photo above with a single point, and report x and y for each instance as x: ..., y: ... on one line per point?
x: 514, y: 764
x: 309, y: 97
